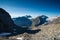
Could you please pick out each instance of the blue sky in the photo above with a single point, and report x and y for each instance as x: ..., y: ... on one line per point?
x: 31, y: 7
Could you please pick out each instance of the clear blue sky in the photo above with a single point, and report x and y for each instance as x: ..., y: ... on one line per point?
x: 31, y: 7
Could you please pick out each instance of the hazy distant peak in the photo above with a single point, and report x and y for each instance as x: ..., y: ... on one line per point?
x: 52, y: 18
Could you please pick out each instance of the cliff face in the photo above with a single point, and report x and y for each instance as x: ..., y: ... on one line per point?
x: 5, y: 21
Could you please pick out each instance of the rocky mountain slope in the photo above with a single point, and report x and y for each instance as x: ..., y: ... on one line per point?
x: 50, y: 31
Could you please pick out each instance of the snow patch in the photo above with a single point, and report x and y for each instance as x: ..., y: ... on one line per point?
x: 4, y: 34
x: 20, y: 38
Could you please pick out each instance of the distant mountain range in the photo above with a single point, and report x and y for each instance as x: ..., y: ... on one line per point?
x: 22, y: 21
x: 26, y: 22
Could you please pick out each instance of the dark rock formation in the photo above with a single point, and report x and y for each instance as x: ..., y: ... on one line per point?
x: 6, y: 23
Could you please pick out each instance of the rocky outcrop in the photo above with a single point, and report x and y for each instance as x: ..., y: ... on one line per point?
x: 6, y: 23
